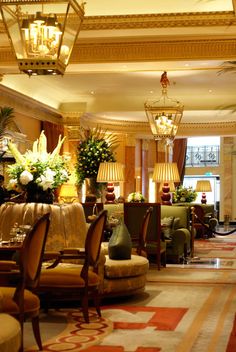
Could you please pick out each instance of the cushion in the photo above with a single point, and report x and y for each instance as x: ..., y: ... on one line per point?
x: 66, y: 277
x: 167, y: 226
x: 176, y: 224
x: 135, y: 266
x: 31, y: 301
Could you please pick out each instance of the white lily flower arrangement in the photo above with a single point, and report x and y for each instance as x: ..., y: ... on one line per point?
x: 37, y: 168
x: 136, y: 197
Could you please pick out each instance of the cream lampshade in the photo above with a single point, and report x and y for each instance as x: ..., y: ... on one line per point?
x: 166, y: 173
x: 109, y: 173
x: 203, y: 186
x: 68, y: 193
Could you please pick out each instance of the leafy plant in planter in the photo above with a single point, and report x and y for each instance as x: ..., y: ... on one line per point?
x: 95, y: 146
x: 6, y: 116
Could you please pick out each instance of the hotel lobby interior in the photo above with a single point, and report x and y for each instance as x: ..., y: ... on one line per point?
x: 129, y: 60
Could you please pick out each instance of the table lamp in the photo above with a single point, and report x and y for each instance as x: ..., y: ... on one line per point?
x: 203, y: 186
x: 166, y: 173
x: 68, y: 193
x: 109, y: 173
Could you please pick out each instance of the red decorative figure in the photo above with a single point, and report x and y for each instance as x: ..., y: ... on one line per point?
x: 164, y: 80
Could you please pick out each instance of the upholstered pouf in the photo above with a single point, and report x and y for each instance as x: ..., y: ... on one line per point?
x: 10, y: 333
x: 125, y: 277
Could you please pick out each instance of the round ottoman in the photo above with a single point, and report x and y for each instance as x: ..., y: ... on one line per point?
x: 10, y: 333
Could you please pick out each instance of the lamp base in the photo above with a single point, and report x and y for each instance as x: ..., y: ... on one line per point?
x: 166, y: 196
x: 203, y: 200
x: 110, y: 195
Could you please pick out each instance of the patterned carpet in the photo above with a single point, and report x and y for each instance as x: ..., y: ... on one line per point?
x: 185, y: 308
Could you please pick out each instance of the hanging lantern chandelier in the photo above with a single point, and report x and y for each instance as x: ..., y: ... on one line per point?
x: 164, y: 115
x: 42, y: 32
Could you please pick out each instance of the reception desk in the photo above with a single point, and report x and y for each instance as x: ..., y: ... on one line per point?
x: 68, y: 226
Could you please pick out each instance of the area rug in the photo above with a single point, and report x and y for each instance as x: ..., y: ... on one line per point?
x: 215, y: 247
x: 185, y: 308
x: 173, y: 319
x: 166, y: 318
x: 76, y: 335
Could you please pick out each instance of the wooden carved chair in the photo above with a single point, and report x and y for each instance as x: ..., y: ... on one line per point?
x: 155, y: 246
x: 60, y: 282
x: 200, y: 222
x: 20, y: 279
x: 141, y: 241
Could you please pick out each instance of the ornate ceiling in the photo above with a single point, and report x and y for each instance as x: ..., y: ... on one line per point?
x: 120, y: 54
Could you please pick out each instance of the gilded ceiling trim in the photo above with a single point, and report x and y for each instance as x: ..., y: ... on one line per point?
x: 154, y: 50
x: 190, y: 19
x: 141, y: 21
x: 142, y: 129
x: 28, y: 106
x: 144, y: 51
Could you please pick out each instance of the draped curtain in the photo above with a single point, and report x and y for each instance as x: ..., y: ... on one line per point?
x: 52, y: 132
x: 179, y: 155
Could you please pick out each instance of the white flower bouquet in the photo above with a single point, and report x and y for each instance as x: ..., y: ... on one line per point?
x: 37, y: 168
x: 136, y: 197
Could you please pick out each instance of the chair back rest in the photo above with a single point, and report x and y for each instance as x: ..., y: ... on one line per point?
x: 144, y: 227
x: 199, y: 212
x: 32, y: 251
x: 94, y: 239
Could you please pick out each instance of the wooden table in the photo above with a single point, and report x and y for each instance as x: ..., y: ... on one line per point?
x: 7, y: 251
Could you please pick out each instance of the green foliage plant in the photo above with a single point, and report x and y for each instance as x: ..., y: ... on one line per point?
x: 95, y: 146
x: 184, y: 194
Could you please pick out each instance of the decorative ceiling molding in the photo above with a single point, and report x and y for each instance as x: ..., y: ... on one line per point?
x: 225, y: 128
x: 188, y: 19
x: 28, y: 106
x: 148, y: 51
x: 142, y: 129
x: 154, y: 50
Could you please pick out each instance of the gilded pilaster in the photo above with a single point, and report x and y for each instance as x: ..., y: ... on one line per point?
x: 144, y: 168
x: 129, y: 185
x: 227, y: 177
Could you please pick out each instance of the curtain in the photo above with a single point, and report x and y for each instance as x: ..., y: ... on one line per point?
x: 52, y: 132
x: 179, y: 155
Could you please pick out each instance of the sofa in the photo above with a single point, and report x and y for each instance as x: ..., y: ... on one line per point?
x: 206, y: 215
x: 68, y: 228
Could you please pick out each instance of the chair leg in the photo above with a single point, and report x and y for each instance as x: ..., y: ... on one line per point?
x: 85, y: 308
x: 97, y: 304
x: 36, y: 330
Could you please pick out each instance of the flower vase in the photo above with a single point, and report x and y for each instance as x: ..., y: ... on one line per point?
x: 36, y: 194
x: 91, y: 189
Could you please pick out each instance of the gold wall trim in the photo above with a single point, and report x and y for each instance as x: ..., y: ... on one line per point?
x: 154, y: 50
x: 191, y: 19
x: 151, y: 50
x: 28, y: 106
x: 142, y: 129
x: 139, y: 21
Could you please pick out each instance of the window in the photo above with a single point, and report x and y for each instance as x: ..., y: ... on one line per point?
x: 203, y: 151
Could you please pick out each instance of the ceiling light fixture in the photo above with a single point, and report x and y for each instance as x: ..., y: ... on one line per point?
x: 42, y: 32
x: 164, y: 115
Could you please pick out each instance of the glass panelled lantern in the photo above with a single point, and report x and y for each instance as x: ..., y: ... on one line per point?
x: 43, y: 33
x: 164, y: 115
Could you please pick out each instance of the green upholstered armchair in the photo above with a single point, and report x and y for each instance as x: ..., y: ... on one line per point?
x: 177, y: 233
